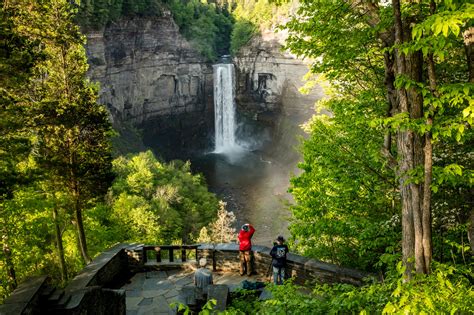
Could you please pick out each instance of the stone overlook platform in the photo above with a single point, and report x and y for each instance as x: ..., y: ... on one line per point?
x: 145, y: 279
x: 153, y: 292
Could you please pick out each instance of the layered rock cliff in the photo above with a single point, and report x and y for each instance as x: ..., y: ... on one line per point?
x: 268, y: 78
x: 152, y: 78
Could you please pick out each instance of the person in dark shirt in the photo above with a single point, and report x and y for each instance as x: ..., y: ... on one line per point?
x: 278, y: 254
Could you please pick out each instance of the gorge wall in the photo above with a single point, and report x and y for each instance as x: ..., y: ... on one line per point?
x: 153, y: 79
x: 268, y: 83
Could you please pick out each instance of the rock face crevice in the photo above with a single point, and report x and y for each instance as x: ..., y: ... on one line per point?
x: 152, y: 78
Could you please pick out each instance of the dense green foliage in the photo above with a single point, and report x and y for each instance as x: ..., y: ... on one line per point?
x: 158, y: 202
x: 348, y: 196
x: 51, y: 110
x: 149, y: 201
x: 346, y: 202
x: 207, y: 25
x: 97, y: 13
x: 58, y: 204
x: 241, y: 34
x: 446, y: 291
x: 215, y: 28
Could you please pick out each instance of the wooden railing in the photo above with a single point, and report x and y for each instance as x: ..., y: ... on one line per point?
x: 158, y: 252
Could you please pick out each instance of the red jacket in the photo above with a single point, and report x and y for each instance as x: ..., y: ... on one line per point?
x: 244, y: 238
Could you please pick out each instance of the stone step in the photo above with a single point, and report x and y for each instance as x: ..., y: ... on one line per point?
x: 64, y: 300
x: 55, y: 296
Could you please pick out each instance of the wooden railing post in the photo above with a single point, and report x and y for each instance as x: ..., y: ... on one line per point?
x: 185, y: 250
x: 158, y: 254
x: 144, y: 256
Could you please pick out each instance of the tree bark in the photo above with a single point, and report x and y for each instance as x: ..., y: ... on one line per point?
x: 428, y: 169
x: 81, y: 235
x: 470, y: 230
x: 468, y: 36
x: 410, y: 151
x: 60, y: 248
x: 389, y: 82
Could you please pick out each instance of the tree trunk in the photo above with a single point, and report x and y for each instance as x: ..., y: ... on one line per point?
x: 470, y: 230
x: 59, y: 244
x: 410, y: 150
x: 10, y: 268
x: 468, y: 36
x: 81, y: 235
x: 389, y: 82
x: 428, y: 169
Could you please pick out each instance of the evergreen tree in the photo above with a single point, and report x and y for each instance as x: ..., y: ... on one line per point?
x: 73, y: 130
x: 59, y: 109
x: 18, y: 54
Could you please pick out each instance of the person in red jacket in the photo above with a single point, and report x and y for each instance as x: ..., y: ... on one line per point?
x: 245, y: 247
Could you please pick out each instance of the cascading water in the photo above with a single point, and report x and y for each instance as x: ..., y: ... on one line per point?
x: 224, y: 107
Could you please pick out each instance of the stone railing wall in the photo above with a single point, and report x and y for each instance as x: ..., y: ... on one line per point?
x: 88, y: 293
x: 26, y: 298
x: 225, y: 257
x: 91, y: 291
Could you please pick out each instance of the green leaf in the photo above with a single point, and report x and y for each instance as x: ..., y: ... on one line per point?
x: 455, y: 29
x: 437, y: 27
x: 466, y: 89
x: 466, y: 112
x: 445, y: 30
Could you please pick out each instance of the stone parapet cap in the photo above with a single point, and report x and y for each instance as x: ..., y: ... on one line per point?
x: 87, y: 275
x: 22, y: 297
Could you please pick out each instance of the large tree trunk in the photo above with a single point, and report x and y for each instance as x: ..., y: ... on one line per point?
x: 59, y: 244
x: 428, y: 168
x: 410, y: 150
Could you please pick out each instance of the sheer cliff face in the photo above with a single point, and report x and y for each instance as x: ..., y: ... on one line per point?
x: 151, y: 77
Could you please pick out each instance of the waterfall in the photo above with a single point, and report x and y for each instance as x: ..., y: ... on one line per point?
x: 224, y: 107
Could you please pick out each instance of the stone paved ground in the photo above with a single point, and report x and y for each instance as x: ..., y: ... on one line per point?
x: 153, y: 292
